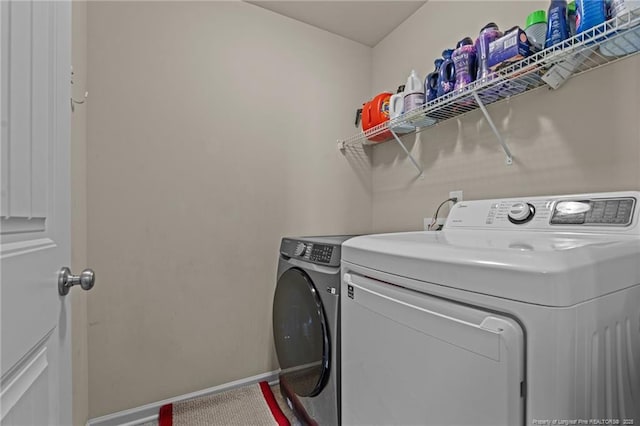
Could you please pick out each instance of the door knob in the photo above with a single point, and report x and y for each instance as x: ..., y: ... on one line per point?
x: 66, y: 280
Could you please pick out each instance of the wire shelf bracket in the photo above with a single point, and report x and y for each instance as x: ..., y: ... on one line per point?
x: 406, y: 151
x: 505, y: 148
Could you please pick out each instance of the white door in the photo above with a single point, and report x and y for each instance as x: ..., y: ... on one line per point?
x: 35, y: 332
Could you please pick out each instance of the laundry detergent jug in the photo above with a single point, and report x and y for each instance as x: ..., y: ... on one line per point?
x: 447, y: 74
x: 374, y: 113
x: 414, y: 99
x: 557, y: 23
x: 488, y: 34
x: 413, y: 92
x: 464, y: 62
x: 589, y: 14
x: 431, y: 82
x: 396, y: 108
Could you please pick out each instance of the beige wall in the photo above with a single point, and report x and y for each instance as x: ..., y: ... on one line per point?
x: 583, y: 137
x: 212, y: 132
x: 79, y: 349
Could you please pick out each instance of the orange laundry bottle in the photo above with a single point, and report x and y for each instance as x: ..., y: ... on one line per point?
x: 376, y: 112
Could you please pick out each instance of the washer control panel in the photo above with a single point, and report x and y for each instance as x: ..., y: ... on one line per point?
x: 517, y: 212
x: 609, y: 210
x: 309, y: 251
x: 320, y: 253
x: 616, y: 212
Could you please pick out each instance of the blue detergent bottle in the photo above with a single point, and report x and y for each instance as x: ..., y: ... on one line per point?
x: 589, y: 14
x: 431, y: 82
x: 447, y: 74
x: 557, y: 24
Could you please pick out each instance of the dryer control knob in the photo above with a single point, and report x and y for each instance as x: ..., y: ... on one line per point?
x: 521, y: 213
x: 300, y: 249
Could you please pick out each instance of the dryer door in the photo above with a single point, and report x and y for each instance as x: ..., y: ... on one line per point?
x: 409, y: 358
x: 300, y: 333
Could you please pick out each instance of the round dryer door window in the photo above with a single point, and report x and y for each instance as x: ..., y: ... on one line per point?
x: 300, y: 332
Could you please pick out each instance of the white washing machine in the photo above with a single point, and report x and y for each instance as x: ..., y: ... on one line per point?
x: 520, y: 312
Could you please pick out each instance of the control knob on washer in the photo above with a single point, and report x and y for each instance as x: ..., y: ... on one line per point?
x: 521, y: 213
x: 300, y: 249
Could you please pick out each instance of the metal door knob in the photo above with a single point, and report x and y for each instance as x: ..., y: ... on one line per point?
x: 66, y: 280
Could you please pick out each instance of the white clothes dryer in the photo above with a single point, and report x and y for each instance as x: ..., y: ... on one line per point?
x: 520, y: 312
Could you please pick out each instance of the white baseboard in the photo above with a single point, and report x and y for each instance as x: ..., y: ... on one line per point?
x: 149, y: 412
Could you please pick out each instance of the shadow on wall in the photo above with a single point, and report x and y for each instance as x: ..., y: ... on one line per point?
x: 359, y: 158
x: 467, y: 134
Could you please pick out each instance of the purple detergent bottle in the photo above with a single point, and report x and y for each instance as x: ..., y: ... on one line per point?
x: 447, y: 74
x: 488, y: 33
x: 431, y: 82
x: 464, y: 61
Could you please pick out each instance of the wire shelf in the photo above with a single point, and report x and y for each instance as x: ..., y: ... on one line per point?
x: 615, y: 39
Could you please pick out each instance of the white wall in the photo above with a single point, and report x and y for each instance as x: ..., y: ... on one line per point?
x: 212, y: 131
x: 583, y: 137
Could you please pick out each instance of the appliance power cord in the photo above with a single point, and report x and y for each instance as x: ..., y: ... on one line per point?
x: 433, y: 226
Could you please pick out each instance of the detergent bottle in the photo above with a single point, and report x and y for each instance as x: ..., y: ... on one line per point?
x: 589, y: 14
x: 557, y: 24
x: 488, y: 33
x: 396, y: 108
x: 374, y: 113
x: 431, y: 82
x: 447, y: 74
x: 464, y: 63
x: 413, y: 92
x: 414, y: 99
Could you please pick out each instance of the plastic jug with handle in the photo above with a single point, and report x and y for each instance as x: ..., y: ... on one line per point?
x: 431, y: 82
x: 413, y: 92
x: 396, y: 108
x: 447, y: 76
x: 414, y: 98
x: 374, y: 113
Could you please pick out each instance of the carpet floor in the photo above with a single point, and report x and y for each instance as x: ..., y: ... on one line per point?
x: 281, y: 402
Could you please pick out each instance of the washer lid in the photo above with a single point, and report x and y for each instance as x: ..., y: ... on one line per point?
x: 545, y: 268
